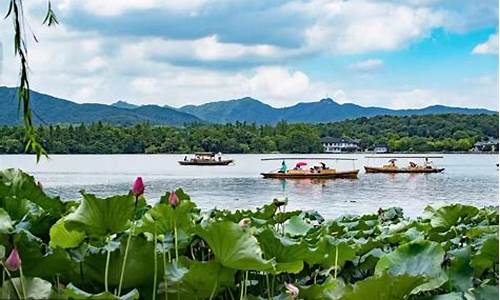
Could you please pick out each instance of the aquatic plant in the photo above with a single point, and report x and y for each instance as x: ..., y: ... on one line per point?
x: 121, y: 248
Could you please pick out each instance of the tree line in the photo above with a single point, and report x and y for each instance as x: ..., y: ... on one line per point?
x: 446, y: 132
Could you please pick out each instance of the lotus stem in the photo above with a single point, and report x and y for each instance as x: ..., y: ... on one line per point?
x: 106, y: 270
x: 336, y: 261
x: 269, y: 296
x: 125, y: 256
x: 212, y: 294
x: 11, y: 282
x: 165, y: 270
x: 21, y: 279
x: 246, y: 281
x: 175, y: 241
x: 155, y: 277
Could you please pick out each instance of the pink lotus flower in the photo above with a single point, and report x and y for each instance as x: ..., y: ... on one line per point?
x: 173, y: 200
x: 13, y: 262
x: 138, y: 187
x: 292, y: 290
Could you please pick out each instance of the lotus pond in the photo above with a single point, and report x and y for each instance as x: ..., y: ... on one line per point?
x: 121, y: 248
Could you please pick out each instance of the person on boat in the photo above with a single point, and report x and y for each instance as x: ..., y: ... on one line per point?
x: 283, y: 168
x: 428, y: 163
x: 413, y: 165
x: 323, y: 165
x: 185, y: 158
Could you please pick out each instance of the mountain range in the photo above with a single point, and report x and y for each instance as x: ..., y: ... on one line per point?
x: 52, y: 110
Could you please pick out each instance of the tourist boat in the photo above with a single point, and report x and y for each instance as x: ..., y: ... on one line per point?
x: 205, y: 159
x: 300, y: 171
x: 391, y: 167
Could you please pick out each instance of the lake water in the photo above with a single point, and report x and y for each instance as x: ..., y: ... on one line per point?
x: 468, y: 178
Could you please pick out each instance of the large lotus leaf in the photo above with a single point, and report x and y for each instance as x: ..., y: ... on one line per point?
x: 163, y: 218
x: 329, y: 289
x: 100, y: 217
x: 487, y: 256
x: 460, y: 272
x: 384, y: 287
x: 329, y: 252
x: 289, y: 254
x: 72, y: 292
x: 61, y: 237
x: 445, y: 217
x: 138, y: 270
x: 296, y: 226
x: 17, y: 189
x: 42, y: 261
x: 479, y: 231
x: 35, y: 288
x: 5, y: 221
x: 234, y: 247
x: 416, y: 258
x: 486, y: 292
x: 449, y: 296
x: 197, y: 280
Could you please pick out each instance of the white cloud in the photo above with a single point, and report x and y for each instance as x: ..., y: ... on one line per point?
x: 367, y: 65
x: 116, y: 7
x: 204, y: 49
x: 363, y: 26
x: 488, y: 47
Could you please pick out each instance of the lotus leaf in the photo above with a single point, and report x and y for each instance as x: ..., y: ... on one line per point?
x: 100, y: 217
x: 234, y: 247
x: 35, y: 288
x: 18, y: 190
x: 61, y: 237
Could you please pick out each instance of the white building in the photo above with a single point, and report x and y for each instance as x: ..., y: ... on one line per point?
x: 339, y: 145
x: 380, y: 148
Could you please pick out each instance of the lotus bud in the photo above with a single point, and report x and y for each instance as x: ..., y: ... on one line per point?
x: 172, y: 199
x: 292, y: 290
x: 138, y: 187
x: 245, y: 222
x: 13, y: 262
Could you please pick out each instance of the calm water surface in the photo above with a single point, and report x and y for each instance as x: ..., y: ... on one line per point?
x: 468, y: 178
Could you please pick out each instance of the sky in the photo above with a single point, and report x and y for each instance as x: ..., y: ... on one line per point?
x: 397, y: 54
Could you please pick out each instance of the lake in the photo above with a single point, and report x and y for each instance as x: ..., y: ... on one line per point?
x: 468, y: 178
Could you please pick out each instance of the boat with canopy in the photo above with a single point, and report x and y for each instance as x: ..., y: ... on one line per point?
x: 391, y: 167
x: 301, y: 169
x: 205, y: 159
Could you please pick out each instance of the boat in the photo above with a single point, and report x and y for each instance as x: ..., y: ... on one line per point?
x: 315, y: 172
x: 205, y: 159
x: 391, y: 167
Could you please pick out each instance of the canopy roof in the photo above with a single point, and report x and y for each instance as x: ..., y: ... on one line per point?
x: 307, y: 158
x: 204, y: 153
x: 408, y: 156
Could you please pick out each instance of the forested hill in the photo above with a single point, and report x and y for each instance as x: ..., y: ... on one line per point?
x: 326, y: 110
x: 51, y: 110
x: 447, y: 132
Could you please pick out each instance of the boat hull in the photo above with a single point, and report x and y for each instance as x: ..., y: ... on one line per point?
x: 205, y: 162
x: 345, y: 174
x: 387, y: 170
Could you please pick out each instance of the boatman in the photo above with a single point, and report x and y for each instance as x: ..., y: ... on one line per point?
x: 283, y: 168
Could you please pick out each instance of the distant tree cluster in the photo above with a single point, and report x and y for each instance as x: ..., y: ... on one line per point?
x: 449, y: 132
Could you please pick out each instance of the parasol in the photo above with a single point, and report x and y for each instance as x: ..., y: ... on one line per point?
x: 300, y: 164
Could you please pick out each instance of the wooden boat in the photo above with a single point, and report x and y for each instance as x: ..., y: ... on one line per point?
x: 427, y: 167
x: 316, y: 172
x: 205, y: 159
x: 402, y: 170
x: 323, y: 174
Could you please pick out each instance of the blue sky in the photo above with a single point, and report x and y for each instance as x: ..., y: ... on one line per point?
x: 399, y: 54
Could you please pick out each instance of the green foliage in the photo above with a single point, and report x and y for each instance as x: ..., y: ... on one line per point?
x: 180, y: 252
x: 450, y: 132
